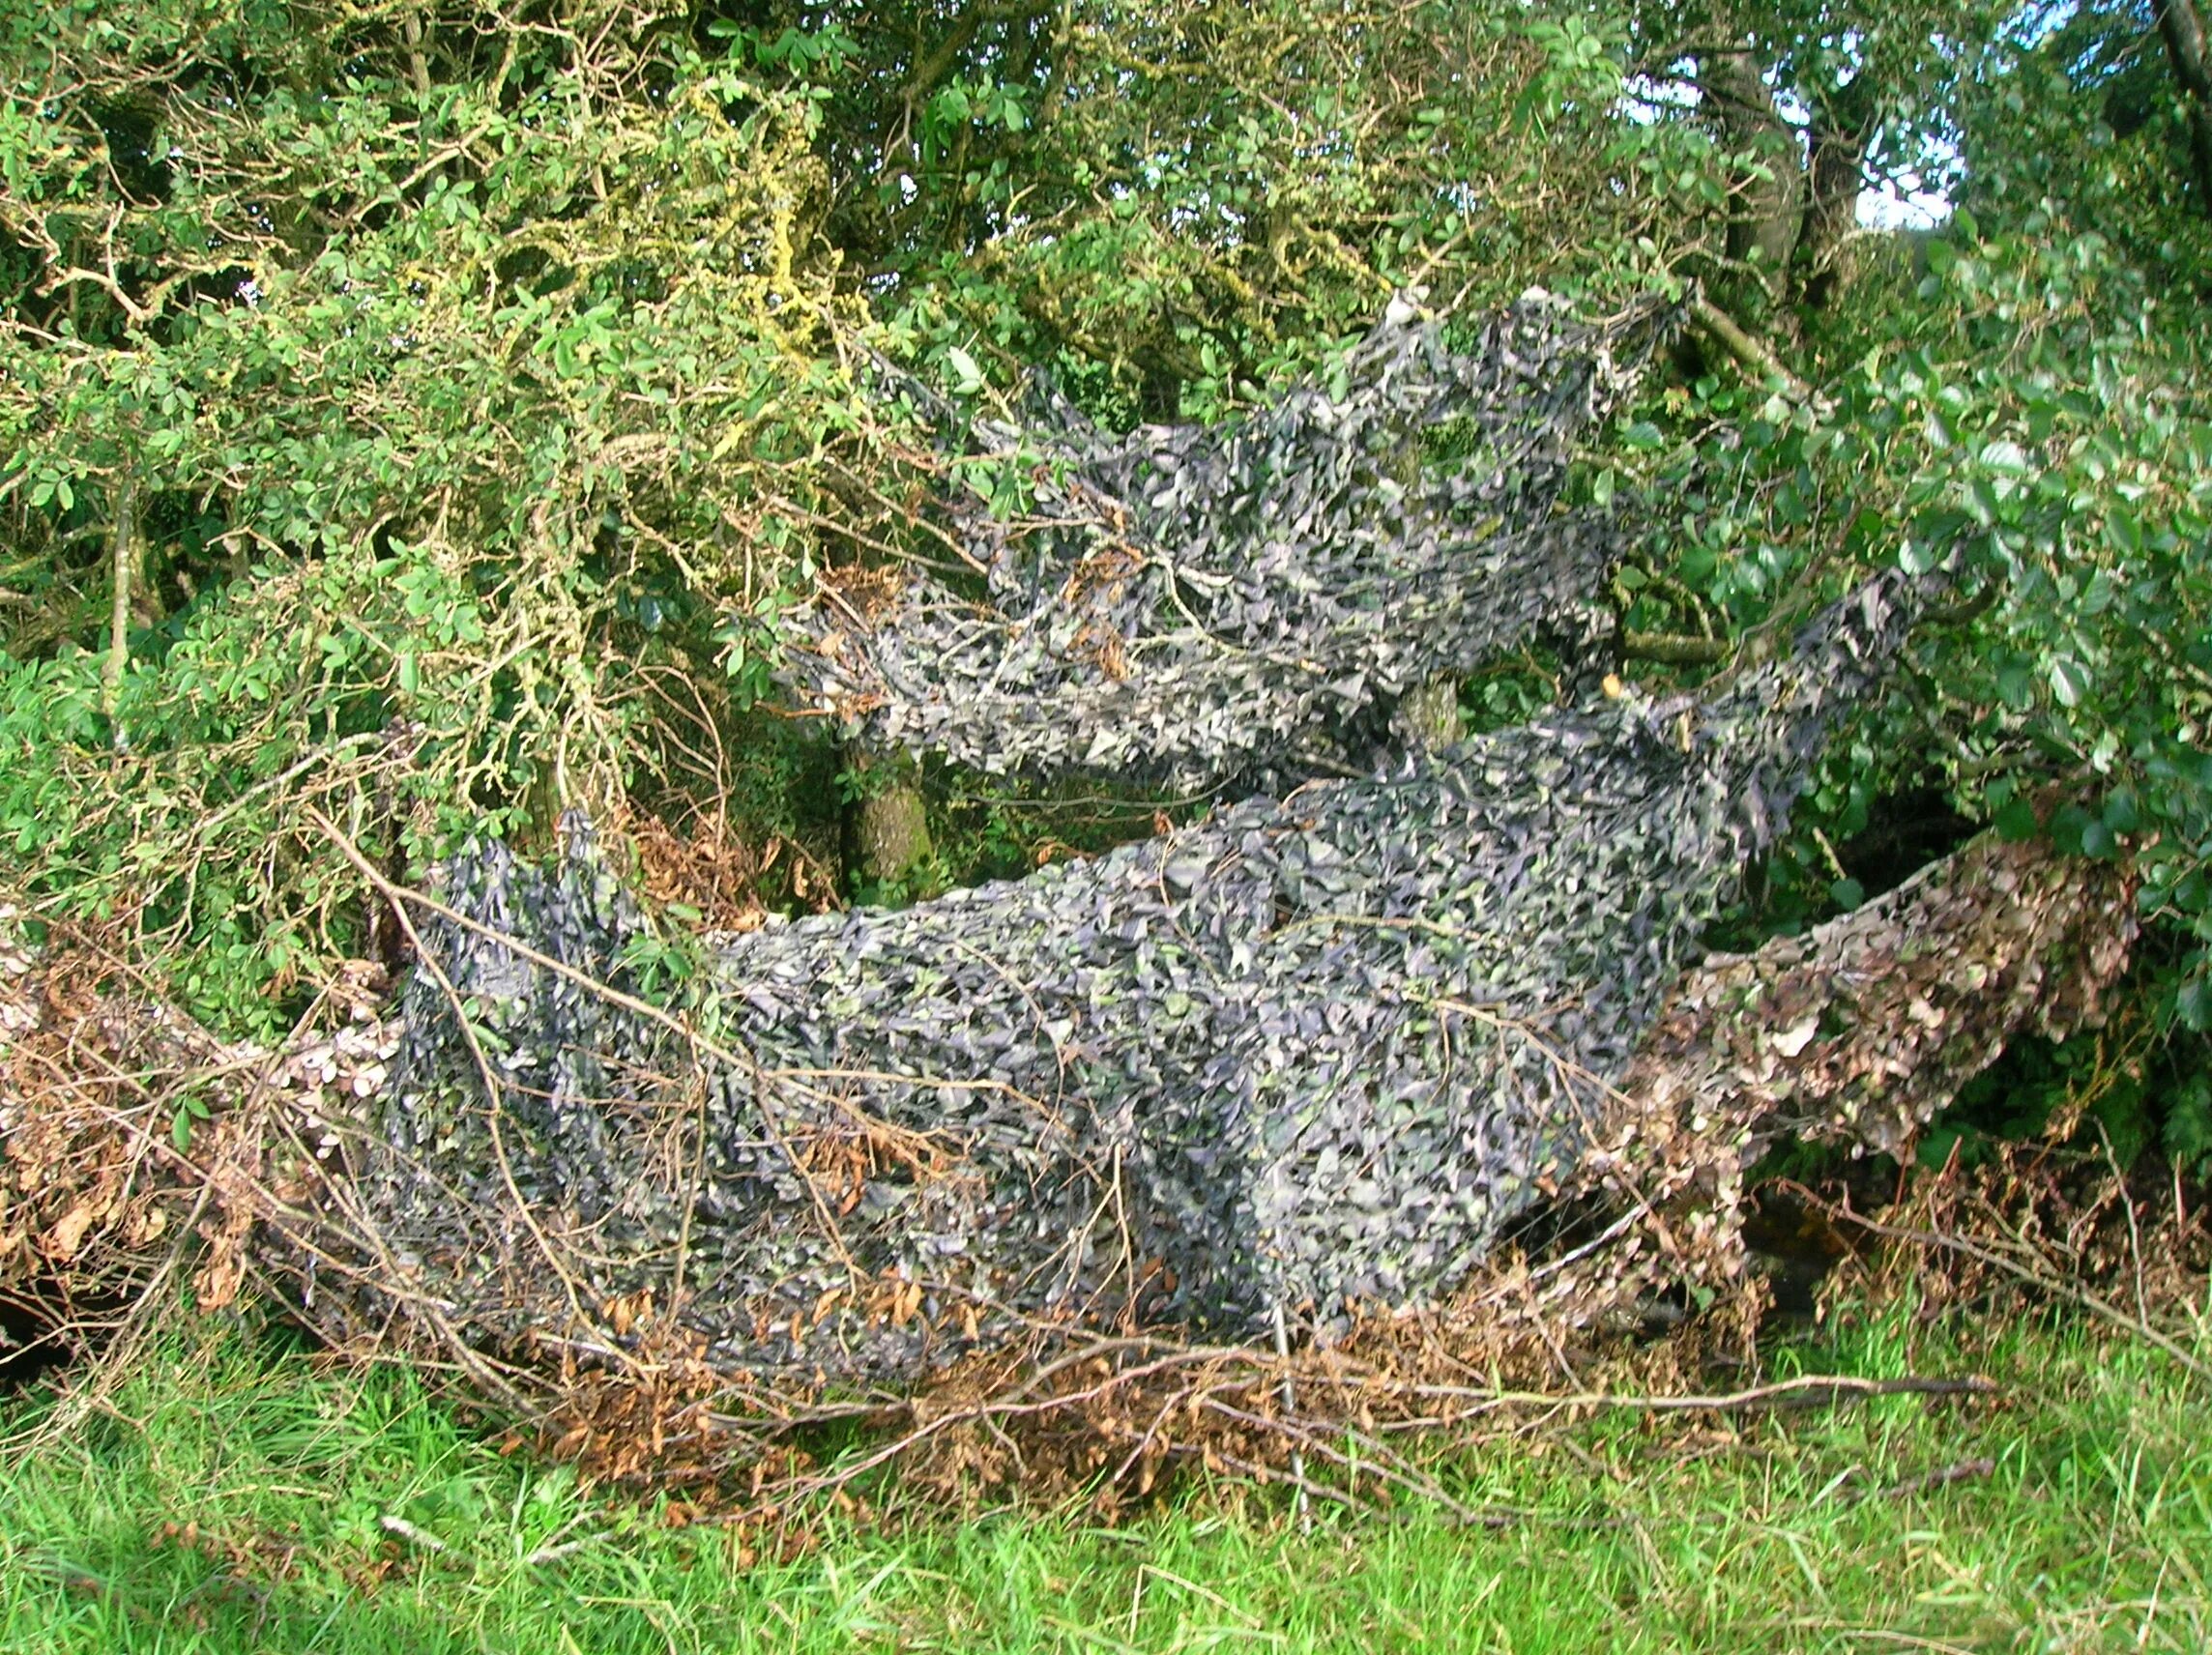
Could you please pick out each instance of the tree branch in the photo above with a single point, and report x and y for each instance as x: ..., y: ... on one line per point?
x: 1674, y: 650
x: 125, y: 557
x: 1730, y: 335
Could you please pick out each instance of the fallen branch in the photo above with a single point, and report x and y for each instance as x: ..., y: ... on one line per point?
x: 1965, y: 1470
x: 393, y: 1524
x: 1806, y: 1390
x: 2041, y: 1280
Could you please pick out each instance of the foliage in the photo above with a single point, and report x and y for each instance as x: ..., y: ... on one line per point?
x: 1305, y: 1055
x: 1170, y: 203
x: 469, y: 394
x: 2130, y: 1091
x: 2038, y: 419
x: 468, y: 454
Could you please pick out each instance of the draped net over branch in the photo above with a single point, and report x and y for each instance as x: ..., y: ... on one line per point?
x: 1858, y: 1033
x: 1310, y: 1054
x: 1245, y: 601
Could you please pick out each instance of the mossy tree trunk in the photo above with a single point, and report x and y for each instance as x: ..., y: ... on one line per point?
x: 1428, y: 716
x: 888, y: 832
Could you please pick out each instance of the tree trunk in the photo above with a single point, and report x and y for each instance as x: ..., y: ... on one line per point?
x: 1766, y: 198
x: 889, y: 826
x: 125, y: 554
x: 2183, y: 32
x: 1835, y: 173
x: 1428, y: 715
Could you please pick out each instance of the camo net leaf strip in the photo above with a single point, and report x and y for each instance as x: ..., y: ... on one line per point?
x: 1245, y: 602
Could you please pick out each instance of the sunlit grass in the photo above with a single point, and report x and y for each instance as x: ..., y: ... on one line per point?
x: 2091, y: 1529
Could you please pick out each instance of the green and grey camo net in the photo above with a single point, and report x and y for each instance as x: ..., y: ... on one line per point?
x: 1201, y: 606
x: 1316, y: 1052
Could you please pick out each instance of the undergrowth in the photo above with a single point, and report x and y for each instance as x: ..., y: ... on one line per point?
x: 239, y: 1495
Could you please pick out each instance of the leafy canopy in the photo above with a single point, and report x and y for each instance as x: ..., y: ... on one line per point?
x: 465, y: 393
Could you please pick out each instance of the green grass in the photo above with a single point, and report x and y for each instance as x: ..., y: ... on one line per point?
x: 2093, y: 1531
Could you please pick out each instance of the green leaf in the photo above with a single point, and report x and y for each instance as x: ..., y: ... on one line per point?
x: 2015, y: 822
x: 2068, y: 829
x: 2069, y: 682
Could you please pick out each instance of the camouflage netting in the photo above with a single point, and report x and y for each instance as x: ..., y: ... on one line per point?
x: 1856, y: 1030
x: 1861, y: 1032
x: 1308, y: 1067
x: 1856, y: 1034
x: 1310, y: 1054
x: 1196, y: 606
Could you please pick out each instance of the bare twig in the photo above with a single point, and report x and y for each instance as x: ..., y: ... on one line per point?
x: 2046, y: 1283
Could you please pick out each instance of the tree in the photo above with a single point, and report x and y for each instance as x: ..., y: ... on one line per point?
x: 417, y: 421
x: 453, y: 407
x: 2183, y: 31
